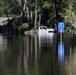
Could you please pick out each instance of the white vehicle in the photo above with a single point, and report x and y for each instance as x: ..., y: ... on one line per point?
x: 44, y: 29
x: 45, y: 35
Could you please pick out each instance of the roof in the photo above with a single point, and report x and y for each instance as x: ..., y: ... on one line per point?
x: 3, y: 20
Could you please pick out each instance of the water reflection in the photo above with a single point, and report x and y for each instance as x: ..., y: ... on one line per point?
x: 61, y: 52
x: 46, y: 39
x: 3, y: 43
x: 37, y: 55
x: 10, y: 55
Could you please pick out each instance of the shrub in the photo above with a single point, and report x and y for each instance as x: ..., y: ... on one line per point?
x: 24, y: 27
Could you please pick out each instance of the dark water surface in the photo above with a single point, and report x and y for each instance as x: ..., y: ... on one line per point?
x: 37, y: 55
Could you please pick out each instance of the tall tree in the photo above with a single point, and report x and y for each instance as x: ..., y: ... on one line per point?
x: 35, y: 23
x: 23, y: 11
x: 10, y: 7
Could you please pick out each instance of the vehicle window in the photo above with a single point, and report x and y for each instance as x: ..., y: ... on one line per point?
x: 41, y: 28
x: 44, y: 28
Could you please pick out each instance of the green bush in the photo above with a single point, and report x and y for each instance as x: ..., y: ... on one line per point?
x: 24, y: 27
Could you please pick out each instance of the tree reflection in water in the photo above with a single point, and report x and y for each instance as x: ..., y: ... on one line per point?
x: 37, y: 54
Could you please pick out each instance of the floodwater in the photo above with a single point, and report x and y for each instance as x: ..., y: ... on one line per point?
x: 37, y: 55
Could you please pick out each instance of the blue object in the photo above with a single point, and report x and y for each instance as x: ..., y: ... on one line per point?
x: 60, y: 52
x: 60, y: 27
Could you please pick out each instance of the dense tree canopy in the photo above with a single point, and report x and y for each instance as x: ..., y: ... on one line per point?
x: 40, y: 12
x: 9, y: 7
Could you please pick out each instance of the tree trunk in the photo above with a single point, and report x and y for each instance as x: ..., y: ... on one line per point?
x: 39, y: 19
x: 7, y: 17
x: 35, y: 23
x: 27, y: 10
x: 31, y: 16
x: 27, y: 13
x: 25, y: 7
x: 55, y: 12
x: 22, y: 12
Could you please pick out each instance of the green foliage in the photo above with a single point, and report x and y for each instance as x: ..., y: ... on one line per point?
x: 23, y: 27
x: 46, y: 5
x: 10, y: 8
x: 51, y: 12
x: 68, y: 13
